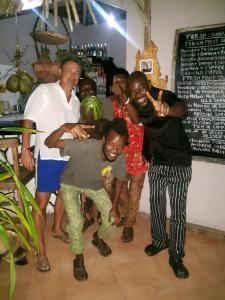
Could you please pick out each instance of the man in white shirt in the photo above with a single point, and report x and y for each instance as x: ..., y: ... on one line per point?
x: 50, y: 106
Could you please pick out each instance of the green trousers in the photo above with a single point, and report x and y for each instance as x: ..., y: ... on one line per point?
x: 71, y: 198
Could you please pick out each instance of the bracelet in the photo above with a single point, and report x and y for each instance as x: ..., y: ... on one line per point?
x: 128, y: 100
x: 25, y: 149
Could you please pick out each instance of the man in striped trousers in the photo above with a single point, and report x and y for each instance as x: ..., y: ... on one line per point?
x: 167, y: 147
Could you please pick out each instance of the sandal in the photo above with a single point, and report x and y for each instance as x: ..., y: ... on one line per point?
x: 42, y: 264
x: 20, y: 257
x: 102, y: 247
x: 128, y: 234
x: 64, y: 237
x: 79, y: 271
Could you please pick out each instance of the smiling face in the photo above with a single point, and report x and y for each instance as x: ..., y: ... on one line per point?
x: 113, y: 145
x: 70, y: 74
x: 137, y: 90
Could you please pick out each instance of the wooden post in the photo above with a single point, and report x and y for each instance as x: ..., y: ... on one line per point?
x: 147, y: 28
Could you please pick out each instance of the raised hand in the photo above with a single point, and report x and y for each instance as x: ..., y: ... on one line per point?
x: 79, y: 131
x: 117, y: 90
x: 161, y: 108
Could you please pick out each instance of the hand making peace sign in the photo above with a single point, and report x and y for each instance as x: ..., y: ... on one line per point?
x: 161, y: 108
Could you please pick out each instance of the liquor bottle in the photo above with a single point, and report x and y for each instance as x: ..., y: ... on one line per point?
x: 104, y: 50
x: 101, y: 51
x: 88, y: 50
x: 91, y: 50
x: 97, y: 50
x: 82, y: 51
x: 85, y: 50
x: 94, y: 53
x: 78, y: 51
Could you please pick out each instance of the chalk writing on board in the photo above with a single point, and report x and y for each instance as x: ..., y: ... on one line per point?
x: 200, y: 81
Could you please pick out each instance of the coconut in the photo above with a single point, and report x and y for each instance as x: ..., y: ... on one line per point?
x: 25, y: 85
x: 12, y: 83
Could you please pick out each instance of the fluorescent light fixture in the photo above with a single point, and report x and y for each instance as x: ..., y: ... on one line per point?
x: 116, y: 26
x: 111, y: 21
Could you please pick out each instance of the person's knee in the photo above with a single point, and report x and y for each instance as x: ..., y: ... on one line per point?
x: 42, y: 199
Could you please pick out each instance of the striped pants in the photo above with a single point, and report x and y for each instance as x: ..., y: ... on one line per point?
x: 175, y: 180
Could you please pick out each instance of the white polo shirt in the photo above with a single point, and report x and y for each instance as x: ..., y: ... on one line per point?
x: 49, y: 109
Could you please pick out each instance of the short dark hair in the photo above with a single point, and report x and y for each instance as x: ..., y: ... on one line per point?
x: 137, y: 75
x: 71, y: 59
x: 121, y: 71
x: 90, y: 81
x: 118, y: 125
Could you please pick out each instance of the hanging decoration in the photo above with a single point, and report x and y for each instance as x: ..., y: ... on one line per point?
x: 70, y: 10
x: 8, y: 7
x: 19, y: 80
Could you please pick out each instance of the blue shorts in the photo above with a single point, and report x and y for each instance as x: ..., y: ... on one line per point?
x: 48, y: 174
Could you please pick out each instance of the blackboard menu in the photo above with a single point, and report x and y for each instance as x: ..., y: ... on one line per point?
x: 199, y: 65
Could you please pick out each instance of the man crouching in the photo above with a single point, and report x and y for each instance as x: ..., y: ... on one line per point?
x: 90, y: 162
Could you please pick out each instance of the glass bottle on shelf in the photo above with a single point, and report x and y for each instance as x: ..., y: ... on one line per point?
x: 82, y: 51
x: 97, y: 50
x: 78, y: 50
x: 100, y: 51
x: 85, y: 50
x: 94, y: 53
x: 91, y: 50
x: 88, y: 50
x: 105, y: 50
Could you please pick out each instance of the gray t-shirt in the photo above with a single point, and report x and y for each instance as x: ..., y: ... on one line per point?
x: 107, y: 108
x: 85, y: 167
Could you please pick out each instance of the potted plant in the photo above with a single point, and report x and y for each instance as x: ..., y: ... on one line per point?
x: 24, y: 230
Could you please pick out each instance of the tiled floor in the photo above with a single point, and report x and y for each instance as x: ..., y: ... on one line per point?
x: 128, y: 274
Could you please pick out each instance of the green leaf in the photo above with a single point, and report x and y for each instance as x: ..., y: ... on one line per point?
x: 18, y: 213
x: 14, y: 226
x: 4, y: 176
x: 7, y: 243
x: 28, y: 200
x: 19, y: 129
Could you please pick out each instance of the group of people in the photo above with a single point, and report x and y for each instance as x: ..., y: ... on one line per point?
x: 106, y: 161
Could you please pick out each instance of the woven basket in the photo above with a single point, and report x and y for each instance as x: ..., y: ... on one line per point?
x: 47, y: 71
x: 49, y: 38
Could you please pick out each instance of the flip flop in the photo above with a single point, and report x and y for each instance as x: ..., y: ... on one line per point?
x: 64, y: 237
x: 42, y: 264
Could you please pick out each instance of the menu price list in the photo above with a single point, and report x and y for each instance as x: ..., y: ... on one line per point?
x: 200, y: 82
